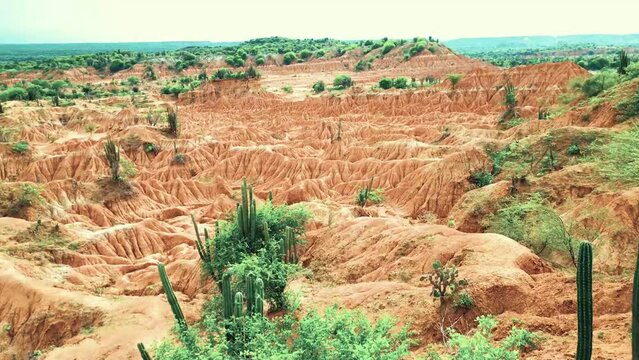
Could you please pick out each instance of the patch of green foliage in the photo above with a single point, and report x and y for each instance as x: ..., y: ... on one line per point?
x: 342, y: 82
x: 287, y: 89
x: 480, y: 345
x: 232, y: 252
x: 20, y: 147
x: 629, y: 108
x: 532, y: 222
x: 599, y: 82
x: 333, y: 335
x: 319, y: 87
x: 482, y: 178
x: 618, y: 158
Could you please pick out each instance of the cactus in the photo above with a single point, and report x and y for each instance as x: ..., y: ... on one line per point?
x: 259, y: 298
x: 250, y: 293
x: 239, y: 303
x: 623, y: 62
x: 635, y: 313
x: 112, y: 154
x: 170, y: 296
x: 584, y: 302
x: 247, y: 217
x: 174, y: 125
x: 143, y: 353
x: 203, y: 247
x: 270, y: 197
x: 362, y: 196
x: 289, y: 246
x: 227, y: 296
x: 339, y: 130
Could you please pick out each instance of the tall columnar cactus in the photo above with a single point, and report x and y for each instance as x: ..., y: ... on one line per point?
x: 363, y: 195
x: 584, y: 302
x: 259, y: 298
x: 270, y: 194
x: 250, y: 293
x: 239, y: 303
x: 203, y: 248
x: 289, y: 246
x: 247, y: 217
x: 227, y: 296
x: 635, y: 313
x: 112, y: 154
x: 174, y: 125
x: 143, y: 353
x: 170, y: 296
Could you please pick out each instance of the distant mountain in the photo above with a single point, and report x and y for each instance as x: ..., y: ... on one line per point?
x: 11, y: 52
x: 538, y: 42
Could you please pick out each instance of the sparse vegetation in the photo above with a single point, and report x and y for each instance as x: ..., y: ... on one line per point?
x: 112, y: 154
x: 454, y: 80
x: 342, y: 82
x: 319, y: 87
x: 20, y: 147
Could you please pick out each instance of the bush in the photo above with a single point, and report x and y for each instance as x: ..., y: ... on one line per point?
x: 289, y: 58
x: 400, y: 83
x: 332, y: 335
x: 133, y: 81
x: 116, y: 65
x: 630, y: 107
x: 14, y: 93
x: 259, y: 60
x: 386, y: 83
x: 306, y: 54
x: 20, y: 147
x: 417, y: 48
x: 342, y: 82
x: 287, y: 89
x: 482, y: 178
x: 533, y: 223
x: 464, y: 301
x: 599, y: 82
x: 573, y: 150
x: 481, y: 346
x: 454, y: 79
x: 388, y: 46
x: 319, y: 87
x: 234, y: 61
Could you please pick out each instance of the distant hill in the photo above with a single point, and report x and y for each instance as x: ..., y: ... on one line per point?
x: 538, y: 42
x: 17, y: 52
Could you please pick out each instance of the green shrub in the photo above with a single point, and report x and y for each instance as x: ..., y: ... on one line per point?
x: 454, y: 79
x: 464, y: 301
x: 417, y: 48
x: 14, y: 93
x: 133, y: 81
x: 618, y: 159
x: 482, y: 178
x: 599, y: 82
x: 306, y: 54
x: 629, y: 108
x: 234, y: 61
x: 333, y: 335
x: 319, y: 87
x: 20, y: 147
x: 481, y: 345
x: 287, y: 89
x: 573, y: 150
x: 388, y: 46
x: 445, y: 282
x: 289, y: 58
x: 386, y: 83
x: 259, y: 60
x: 342, y: 82
x: 117, y: 65
x: 535, y: 224
x: 400, y: 83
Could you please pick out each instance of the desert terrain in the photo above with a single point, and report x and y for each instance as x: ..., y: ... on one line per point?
x: 79, y: 259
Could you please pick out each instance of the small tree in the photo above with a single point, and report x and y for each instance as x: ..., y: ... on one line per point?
x: 454, y: 80
x: 386, y: 83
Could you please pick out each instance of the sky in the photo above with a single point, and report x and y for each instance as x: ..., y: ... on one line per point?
x: 60, y: 21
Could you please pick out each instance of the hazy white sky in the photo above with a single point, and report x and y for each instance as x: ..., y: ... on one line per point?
x: 37, y: 21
